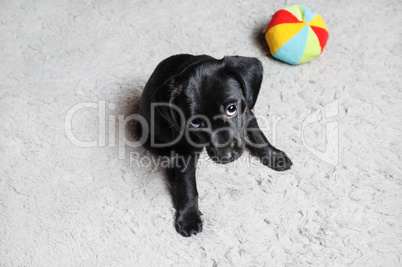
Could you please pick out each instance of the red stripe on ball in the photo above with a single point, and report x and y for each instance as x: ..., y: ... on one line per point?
x: 322, y: 36
x: 282, y: 16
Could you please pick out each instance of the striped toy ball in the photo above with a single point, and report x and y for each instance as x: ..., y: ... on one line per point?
x: 296, y: 35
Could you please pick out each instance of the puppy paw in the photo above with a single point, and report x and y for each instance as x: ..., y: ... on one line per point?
x: 277, y: 161
x: 188, y: 222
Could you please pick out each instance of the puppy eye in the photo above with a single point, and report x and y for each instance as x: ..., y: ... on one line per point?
x: 195, y: 123
x: 231, y: 110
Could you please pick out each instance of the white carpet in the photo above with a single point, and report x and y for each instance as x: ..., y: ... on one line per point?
x: 68, y: 205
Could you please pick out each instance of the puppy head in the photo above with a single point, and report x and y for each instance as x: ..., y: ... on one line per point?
x: 213, y: 97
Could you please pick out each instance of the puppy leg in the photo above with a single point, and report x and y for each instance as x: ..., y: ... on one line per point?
x: 260, y: 147
x: 188, y: 219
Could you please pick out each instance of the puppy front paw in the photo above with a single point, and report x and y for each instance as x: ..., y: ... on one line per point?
x: 188, y: 222
x: 277, y: 161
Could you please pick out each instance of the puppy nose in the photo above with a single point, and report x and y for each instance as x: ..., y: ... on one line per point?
x: 228, y: 156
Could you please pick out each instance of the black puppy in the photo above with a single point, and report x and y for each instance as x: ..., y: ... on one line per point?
x: 191, y: 102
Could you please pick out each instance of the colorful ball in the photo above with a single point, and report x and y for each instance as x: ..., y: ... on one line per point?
x: 296, y: 35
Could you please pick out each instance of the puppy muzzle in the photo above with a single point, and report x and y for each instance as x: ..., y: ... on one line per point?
x: 226, y: 154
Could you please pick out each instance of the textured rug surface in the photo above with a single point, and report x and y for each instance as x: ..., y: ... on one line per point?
x: 76, y: 191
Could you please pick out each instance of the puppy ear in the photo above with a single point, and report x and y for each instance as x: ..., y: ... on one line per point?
x: 165, y: 100
x: 248, y: 71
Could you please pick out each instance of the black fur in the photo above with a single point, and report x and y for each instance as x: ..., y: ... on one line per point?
x: 203, y: 90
